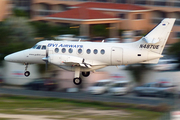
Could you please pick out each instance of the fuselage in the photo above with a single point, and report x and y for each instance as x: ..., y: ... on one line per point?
x: 97, y: 54
x: 88, y: 56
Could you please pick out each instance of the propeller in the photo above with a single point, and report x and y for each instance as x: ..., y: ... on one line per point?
x: 46, y: 58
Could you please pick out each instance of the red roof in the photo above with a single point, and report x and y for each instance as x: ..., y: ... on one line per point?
x: 82, y: 13
x: 110, y: 6
x: 86, y: 11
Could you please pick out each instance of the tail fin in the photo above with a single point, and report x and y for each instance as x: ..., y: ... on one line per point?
x: 160, y: 34
x: 156, y: 39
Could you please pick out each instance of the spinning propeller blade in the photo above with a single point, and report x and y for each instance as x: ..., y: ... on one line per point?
x: 46, y: 58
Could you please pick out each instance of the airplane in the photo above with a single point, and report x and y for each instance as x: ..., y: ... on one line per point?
x: 84, y: 57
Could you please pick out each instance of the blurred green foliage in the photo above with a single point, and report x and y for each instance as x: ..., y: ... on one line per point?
x: 48, y: 31
x: 20, y: 13
x: 100, y: 30
x: 15, y: 34
x: 174, y: 49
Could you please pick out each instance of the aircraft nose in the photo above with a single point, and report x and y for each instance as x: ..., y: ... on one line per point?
x: 16, y: 57
x: 8, y: 58
x: 11, y: 58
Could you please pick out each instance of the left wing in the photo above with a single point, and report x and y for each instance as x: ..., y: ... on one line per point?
x: 69, y: 60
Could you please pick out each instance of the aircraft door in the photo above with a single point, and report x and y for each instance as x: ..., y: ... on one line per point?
x: 116, y: 56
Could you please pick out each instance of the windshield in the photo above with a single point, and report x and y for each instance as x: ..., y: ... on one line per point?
x: 34, y: 47
x: 43, y: 47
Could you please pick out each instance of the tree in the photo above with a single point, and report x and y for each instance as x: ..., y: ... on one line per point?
x: 137, y: 71
x: 20, y: 13
x: 15, y: 34
x: 100, y: 30
x: 48, y: 30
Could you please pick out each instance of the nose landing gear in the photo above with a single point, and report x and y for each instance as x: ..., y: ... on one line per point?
x: 27, y: 73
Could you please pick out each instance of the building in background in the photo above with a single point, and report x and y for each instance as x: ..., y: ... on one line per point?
x: 117, y: 16
x: 163, y: 9
x: 5, y: 9
x: 139, y: 16
x: 24, y: 5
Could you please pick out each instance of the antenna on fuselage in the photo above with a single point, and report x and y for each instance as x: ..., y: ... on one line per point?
x: 102, y: 41
x: 80, y: 40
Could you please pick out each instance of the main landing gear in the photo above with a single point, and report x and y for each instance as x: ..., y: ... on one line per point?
x: 27, y: 73
x: 86, y: 74
x: 77, y: 80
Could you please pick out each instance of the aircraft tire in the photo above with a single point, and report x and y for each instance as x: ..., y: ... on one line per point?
x: 27, y: 73
x: 86, y: 74
x: 77, y: 81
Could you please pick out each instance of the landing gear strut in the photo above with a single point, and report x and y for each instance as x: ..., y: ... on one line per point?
x: 77, y: 80
x: 27, y: 73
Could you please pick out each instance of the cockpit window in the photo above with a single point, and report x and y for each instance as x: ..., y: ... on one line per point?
x: 39, y: 47
x: 34, y: 47
x: 43, y: 47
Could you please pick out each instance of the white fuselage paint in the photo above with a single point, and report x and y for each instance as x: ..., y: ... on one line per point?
x: 115, y: 54
x: 146, y: 50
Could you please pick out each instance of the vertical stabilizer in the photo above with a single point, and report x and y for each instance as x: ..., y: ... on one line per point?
x: 159, y: 35
x: 155, y: 40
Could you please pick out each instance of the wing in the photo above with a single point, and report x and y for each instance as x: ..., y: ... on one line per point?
x: 69, y: 60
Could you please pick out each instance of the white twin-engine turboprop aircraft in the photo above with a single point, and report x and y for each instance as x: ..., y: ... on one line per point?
x: 89, y: 56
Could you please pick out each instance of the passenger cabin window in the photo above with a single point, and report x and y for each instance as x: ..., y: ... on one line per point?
x: 43, y: 47
x: 70, y: 50
x: 39, y: 47
x: 88, y: 51
x: 102, y: 51
x: 63, y: 50
x: 95, y: 51
x: 79, y: 50
x: 56, y: 50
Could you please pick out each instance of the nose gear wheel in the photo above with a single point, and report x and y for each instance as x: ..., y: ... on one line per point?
x: 27, y: 73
